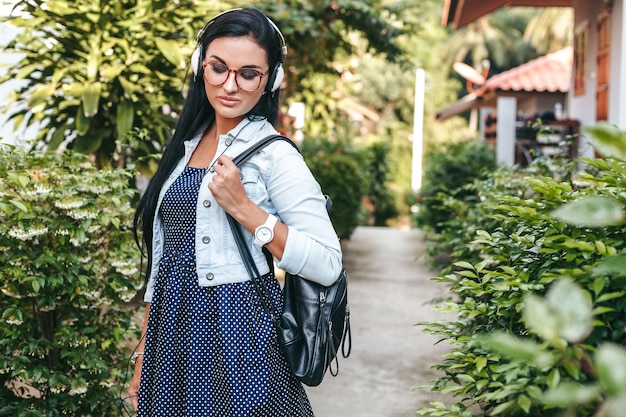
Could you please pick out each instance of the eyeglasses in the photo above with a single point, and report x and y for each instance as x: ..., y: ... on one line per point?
x: 247, y: 79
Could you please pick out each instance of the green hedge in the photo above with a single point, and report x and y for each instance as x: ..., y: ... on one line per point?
x: 447, y: 173
x: 336, y: 168
x: 68, y: 267
x: 538, y: 293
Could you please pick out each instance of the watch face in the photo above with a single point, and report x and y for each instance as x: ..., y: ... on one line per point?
x: 264, y: 234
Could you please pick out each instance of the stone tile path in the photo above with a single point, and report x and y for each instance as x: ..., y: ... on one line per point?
x: 389, y: 292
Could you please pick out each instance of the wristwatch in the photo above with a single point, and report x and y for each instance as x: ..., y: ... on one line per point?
x: 265, y: 232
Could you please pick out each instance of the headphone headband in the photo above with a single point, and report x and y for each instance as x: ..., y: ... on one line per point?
x: 283, y: 44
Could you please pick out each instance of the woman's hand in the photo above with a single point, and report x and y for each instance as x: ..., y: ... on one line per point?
x: 133, y: 388
x: 226, y: 186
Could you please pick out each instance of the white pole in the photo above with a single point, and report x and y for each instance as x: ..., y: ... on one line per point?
x: 418, y: 130
x: 505, y: 136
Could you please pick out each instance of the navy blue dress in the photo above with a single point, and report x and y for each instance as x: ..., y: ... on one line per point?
x: 209, y: 352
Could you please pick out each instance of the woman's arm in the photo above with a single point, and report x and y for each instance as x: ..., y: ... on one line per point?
x: 133, y: 389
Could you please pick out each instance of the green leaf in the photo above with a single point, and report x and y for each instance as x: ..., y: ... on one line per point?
x: 524, y: 350
x: 124, y: 118
x: 612, y: 265
x: 91, y: 98
x: 539, y: 319
x: 57, y: 137
x: 40, y: 94
x: 82, y: 122
x: 608, y: 139
x: 599, y: 283
x: 554, y: 378
x: 591, y: 211
x: 20, y: 179
x: 464, y: 265
x: 87, y: 144
x: 610, y: 296
x: 524, y: 403
x: 502, y: 407
x: 481, y: 362
x: 20, y: 205
x: 570, y: 394
x: 572, y: 308
x: 611, y: 368
x: 171, y: 51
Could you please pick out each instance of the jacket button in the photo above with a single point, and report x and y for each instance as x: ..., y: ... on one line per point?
x: 206, y: 203
x: 210, y: 276
x: 228, y: 142
x: 206, y: 239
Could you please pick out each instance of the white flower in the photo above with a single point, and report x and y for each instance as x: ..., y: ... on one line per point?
x: 93, y: 229
x: 42, y: 189
x: 128, y: 271
x: 69, y: 203
x: 15, y: 322
x: 126, y: 296
x: 39, y: 190
x: 82, y: 214
x: 21, y: 234
x: 79, y: 389
x: 96, y: 189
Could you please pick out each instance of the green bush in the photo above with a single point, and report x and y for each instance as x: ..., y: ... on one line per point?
x: 339, y: 171
x: 446, y: 173
x: 379, y: 192
x: 68, y: 267
x: 543, y: 358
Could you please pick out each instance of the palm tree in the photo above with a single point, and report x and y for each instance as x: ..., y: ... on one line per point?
x: 551, y: 29
x: 497, y: 37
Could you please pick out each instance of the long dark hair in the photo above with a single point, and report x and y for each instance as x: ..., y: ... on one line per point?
x: 197, y: 113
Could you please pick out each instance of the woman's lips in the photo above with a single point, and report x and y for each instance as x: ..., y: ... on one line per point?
x: 228, y: 101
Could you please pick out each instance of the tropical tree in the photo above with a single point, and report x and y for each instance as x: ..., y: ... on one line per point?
x: 93, y: 71
x: 551, y: 29
x: 497, y: 37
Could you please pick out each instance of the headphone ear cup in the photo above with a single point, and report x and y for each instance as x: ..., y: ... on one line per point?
x: 277, y: 77
x: 196, y: 58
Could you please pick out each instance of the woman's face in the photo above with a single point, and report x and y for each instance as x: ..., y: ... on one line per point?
x: 242, y: 66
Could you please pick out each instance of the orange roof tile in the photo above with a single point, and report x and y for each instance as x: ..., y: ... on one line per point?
x: 552, y: 73
x: 549, y: 73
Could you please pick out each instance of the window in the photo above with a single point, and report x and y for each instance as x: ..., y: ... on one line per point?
x: 580, y: 58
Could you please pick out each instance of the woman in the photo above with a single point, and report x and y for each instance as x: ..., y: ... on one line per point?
x: 208, y: 348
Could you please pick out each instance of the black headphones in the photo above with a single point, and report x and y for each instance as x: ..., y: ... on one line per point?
x: 275, y: 78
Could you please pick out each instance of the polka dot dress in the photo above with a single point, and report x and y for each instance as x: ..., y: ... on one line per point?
x: 209, y: 352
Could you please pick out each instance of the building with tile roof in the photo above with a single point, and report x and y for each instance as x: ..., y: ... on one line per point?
x: 597, y: 86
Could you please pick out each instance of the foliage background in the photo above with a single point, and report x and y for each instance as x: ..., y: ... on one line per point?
x: 517, y: 241
x: 69, y: 266
x: 107, y: 79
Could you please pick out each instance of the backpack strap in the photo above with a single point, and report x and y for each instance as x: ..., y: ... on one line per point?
x: 245, y: 155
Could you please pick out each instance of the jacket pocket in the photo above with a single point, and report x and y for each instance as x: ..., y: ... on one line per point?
x: 251, y: 179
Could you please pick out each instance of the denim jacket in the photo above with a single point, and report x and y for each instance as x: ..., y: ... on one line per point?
x: 277, y: 180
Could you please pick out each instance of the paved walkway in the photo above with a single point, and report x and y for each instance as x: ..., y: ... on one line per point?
x: 389, y: 292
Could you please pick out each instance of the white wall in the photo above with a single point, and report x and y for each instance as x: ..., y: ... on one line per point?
x: 583, y: 107
x: 7, y: 33
x: 617, y: 97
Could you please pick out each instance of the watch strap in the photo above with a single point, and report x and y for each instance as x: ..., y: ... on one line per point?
x: 270, y: 223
